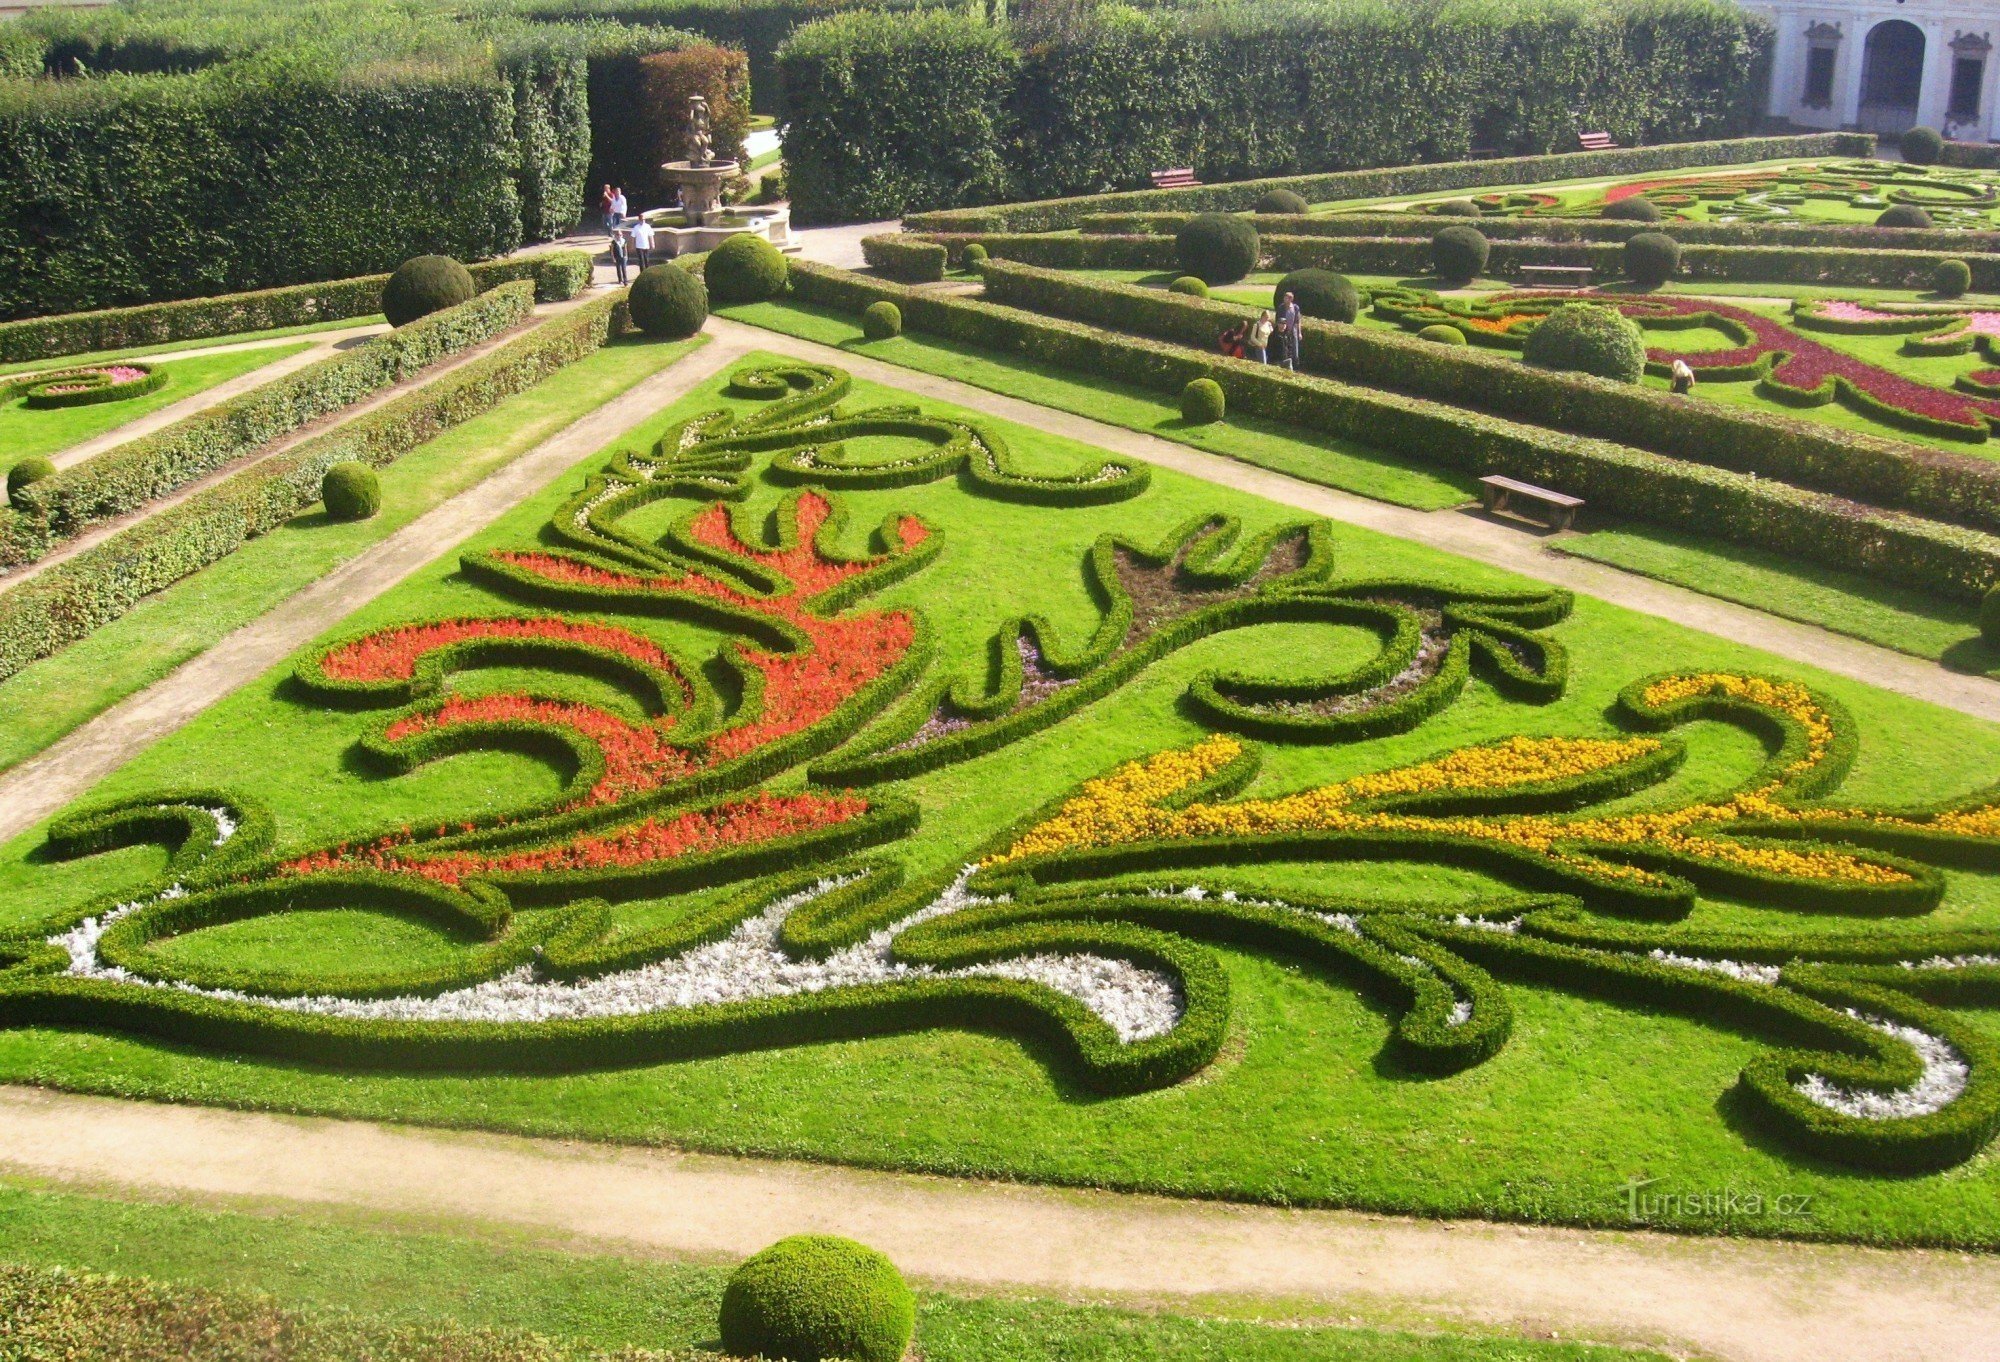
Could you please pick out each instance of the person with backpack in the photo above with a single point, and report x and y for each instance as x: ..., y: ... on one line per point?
x: 1289, y: 323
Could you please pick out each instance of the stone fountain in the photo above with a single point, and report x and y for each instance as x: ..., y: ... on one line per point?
x: 703, y: 223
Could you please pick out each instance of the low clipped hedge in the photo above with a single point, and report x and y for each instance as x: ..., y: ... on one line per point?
x: 556, y: 275
x: 126, y: 478
x: 81, y: 594
x: 909, y: 259
x: 1958, y: 488
x: 1928, y: 555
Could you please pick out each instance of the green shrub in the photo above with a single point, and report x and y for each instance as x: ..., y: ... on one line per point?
x: 1952, y: 279
x: 1589, y: 339
x: 1281, y: 201
x: 1651, y: 258
x: 1637, y: 208
x: 1923, y: 146
x: 1989, y: 616
x: 351, y: 491
x: 880, y: 321
x: 1458, y: 254
x: 816, y: 1296
x: 28, y: 471
x: 975, y: 255
x: 908, y: 259
x: 744, y: 269
x: 1202, y: 403
x: 668, y: 301
x: 1217, y: 248
x: 1443, y: 333
x: 1189, y: 285
x: 1457, y: 208
x: 427, y: 284
x: 1903, y: 215
x: 1320, y: 293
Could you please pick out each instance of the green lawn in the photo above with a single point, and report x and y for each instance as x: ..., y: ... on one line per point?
x: 197, y: 343
x: 1303, y: 1107
x: 1345, y: 464
x: 49, y: 698
x: 26, y: 431
x: 317, y: 1260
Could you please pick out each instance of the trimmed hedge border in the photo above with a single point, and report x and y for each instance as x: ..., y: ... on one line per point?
x: 1052, y: 215
x: 557, y: 275
x: 909, y: 259
x: 76, y: 597
x: 1957, y: 488
x: 1931, y: 556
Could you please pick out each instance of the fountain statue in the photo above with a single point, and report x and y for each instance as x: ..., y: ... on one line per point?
x: 700, y: 176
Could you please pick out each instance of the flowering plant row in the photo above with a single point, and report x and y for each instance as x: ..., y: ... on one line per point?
x: 84, y: 386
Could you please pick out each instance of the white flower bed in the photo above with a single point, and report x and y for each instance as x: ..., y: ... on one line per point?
x: 1943, y: 1080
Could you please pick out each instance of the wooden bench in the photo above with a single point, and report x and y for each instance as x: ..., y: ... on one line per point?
x: 1556, y: 276
x: 1483, y: 154
x: 1180, y: 178
x: 1499, y: 493
x: 1596, y: 141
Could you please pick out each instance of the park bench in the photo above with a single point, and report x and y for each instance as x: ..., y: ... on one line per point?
x: 1179, y: 178
x: 1499, y: 493
x: 1596, y: 141
x: 1556, y: 276
x: 1483, y: 154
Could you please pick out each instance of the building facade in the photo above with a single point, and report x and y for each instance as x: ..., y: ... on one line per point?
x: 1888, y: 65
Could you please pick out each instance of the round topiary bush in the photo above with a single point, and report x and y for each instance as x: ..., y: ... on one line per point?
x: 1189, y: 285
x: 1651, y: 258
x: 745, y: 269
x: 1442, y: 334
x: 668, y: 301
x: 1217, y: 248
x: 976, y: 255
x: 881, y: 320
x: 29, y: 470
x: 1638, y: 208
x: 1951, y: 278
x: 1923, y: 146
x: 814, y: 1297
x: 351, y: 491
x: 1588, y: 339
x: 1457, y: 208
x: 1458, y: 254
x: 427, y: 284
x: 1320, y: 293
x: 1280, y: 201
x: 1903, y: 215
x: 1201, y: 402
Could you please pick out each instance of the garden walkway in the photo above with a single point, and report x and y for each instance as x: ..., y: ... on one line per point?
x: 1741, y: 1300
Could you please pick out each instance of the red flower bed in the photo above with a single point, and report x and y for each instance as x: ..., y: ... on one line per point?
x: 637, y: 757
x: 392, y: 654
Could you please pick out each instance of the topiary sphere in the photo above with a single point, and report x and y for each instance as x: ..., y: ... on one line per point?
x: 1217, y: 248
x: 1903, y: 215
x: 1189, y: 285
x: 1320, y: 293
x: 1588, y: 339
x: 976, y: 254
x: 427, y: 284
x: 29, y: 470
x: 1457, y: 208
x: 817, y: 1296
x: 1202, y: 402
x: 1638, y: 208
x: 1280, y: 201
x: 1923, y: 146
x: 1651, y: 258
x: 1442, y: 334
x: 668, y: 301
x: 1458, y: 254
x: 881, y: 320
x: 351, y: 491
x: 745, y: 269
x: 1951, y: 278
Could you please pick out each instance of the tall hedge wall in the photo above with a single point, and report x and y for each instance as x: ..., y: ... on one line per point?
x: 891, y: 116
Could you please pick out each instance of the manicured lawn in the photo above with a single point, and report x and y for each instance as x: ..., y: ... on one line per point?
x: 25, y: 431
x: 198, y: 343
x: 1303, y: 1106
x: 49, y: 698
x: 318, y: 1261
x: 1344, y: 464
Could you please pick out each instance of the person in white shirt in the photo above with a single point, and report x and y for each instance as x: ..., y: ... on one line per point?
x: 642, y: 241
x: 1683, y: 378
x: 1258, y: 339
x: 618, y: 205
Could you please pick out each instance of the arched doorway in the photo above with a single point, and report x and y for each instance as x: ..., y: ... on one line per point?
x: 1892, y: 76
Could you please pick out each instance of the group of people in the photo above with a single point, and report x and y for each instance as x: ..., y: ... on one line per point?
x: 629, y: 241
x: 1252, y: 339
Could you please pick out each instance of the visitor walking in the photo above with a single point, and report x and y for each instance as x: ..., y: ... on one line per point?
x: 604, y: 209
x: 1289, y: 321
x: 1683, y: 378
x: 1258, y: 341
x: 618, y: 255
x: 642, y: 241
x: 618, y: 205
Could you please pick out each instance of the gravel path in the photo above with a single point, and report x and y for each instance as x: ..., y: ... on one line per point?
x: 1740, y: 1300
